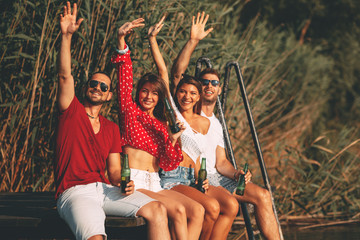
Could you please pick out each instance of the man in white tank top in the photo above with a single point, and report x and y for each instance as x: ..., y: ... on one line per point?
x: 223, y: 172
x: 220, y: 171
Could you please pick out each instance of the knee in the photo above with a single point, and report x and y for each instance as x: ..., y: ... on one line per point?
x: 233, y: 207
x: 212, y: 209
x: 154, y: 211
x: 179, y: 212
x: 264, y: 197
x: 197, y: 211
x: 230, y: 207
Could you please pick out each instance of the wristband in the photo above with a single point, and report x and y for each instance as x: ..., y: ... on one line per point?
x: 122, y: 52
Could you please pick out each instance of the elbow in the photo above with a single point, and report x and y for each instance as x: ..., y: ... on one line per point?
x: 63, y: 76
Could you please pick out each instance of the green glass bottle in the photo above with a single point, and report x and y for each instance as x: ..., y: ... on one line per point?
x: 202, y: 175
x: 240, y: 189
x: 170, y: 117
x: 125, y: 173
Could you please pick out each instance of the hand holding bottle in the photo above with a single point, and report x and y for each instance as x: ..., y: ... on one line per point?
x: 202, y: 176
x: 129, y: 188
x: 126, y: 184
x: 240, y: 189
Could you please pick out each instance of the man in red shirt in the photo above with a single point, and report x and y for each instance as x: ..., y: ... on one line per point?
x: 87, y: 144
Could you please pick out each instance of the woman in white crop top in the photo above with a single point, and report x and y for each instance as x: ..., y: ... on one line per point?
x: 220, y: 209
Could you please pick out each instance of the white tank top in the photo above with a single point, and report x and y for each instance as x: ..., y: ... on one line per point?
x: 214, y: 138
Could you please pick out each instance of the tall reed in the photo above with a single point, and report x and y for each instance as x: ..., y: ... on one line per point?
x: 284, y: 81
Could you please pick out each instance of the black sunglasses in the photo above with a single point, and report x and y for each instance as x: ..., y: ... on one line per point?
x: 103, y: 86
x: 206, y: 82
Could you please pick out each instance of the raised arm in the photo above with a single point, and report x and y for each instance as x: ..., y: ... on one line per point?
x: 197, y: 33
x: 121, y: 59
x: 155, y: 51
x: 68, y: 25
x: 126, y: 29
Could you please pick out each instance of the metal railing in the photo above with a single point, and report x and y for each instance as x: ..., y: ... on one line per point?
x: 229, y: 148
x: 255, y: 138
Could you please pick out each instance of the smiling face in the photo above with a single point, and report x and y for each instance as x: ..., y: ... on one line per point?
x: 187, y: 96
x: 148, y: 97
x: 94, y: 95
x: 210, y: 92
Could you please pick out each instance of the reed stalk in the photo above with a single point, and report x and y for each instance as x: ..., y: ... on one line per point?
x: 285, y: 84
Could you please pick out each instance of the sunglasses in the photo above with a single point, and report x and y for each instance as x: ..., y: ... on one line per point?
x: 206, y: 82
x: 103, y: 86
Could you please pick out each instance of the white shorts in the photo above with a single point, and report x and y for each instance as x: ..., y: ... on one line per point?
x: 84, y: 207
x: 146, y: 180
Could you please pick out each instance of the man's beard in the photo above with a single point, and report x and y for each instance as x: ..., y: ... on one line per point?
x: 208, y: 101
x: 94, y: 103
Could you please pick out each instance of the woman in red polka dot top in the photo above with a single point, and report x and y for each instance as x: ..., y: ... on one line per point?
x: 147, y: 141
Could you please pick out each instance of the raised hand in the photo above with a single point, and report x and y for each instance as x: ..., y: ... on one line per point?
x: 125, y: 29
x: 154, y: 30
x: 197, y: 31
x: 68, y: 23
x: 128, y: 27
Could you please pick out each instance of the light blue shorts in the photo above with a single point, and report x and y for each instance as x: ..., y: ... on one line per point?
x: 180, y: 175
x: 84, y: 207
x: 217, y: 179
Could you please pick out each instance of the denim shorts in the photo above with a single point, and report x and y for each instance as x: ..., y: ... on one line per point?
x: 217, y: 179
x: 180, y: 175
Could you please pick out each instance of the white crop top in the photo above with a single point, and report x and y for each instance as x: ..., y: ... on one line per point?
x: 192, y: 142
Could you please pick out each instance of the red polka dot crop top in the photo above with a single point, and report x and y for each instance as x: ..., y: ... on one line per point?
x: 138, y: 129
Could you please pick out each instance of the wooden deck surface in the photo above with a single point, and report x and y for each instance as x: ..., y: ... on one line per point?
x: 34, y: 215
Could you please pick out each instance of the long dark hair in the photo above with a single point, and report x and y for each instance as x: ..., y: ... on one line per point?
x: 187, y: 79
x: 160, y: 87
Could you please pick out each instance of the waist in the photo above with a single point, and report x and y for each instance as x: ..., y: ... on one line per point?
x: 187, y: 161
x: 141, y: 160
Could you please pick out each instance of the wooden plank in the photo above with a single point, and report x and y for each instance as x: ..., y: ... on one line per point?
x: 35, y: 215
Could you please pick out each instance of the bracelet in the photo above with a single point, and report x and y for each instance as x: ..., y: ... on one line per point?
x: 122, y: 51
x: 235, y: 175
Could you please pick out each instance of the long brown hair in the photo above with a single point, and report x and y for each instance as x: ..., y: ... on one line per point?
x: 161, y: 89
x: 187, y: 79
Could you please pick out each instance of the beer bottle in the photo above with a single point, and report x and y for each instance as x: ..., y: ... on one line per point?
x: 170, y: 117
x: 125, y: 173
x: 241, y: 184
x: 202, y: 176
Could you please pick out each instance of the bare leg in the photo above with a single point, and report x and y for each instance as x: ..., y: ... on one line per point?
x: 177, y: 208
x: 211, y: 205
x: 156, y: 217
x: 229, y: 208
x: 264, y: 213
x: 194, y: 212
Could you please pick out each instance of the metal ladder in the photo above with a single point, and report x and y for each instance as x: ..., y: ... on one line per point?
x: 221, y: 105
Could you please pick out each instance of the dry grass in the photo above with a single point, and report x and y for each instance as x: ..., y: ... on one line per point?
x: 285, y: 82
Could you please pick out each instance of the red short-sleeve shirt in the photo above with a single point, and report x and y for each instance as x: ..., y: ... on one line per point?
x: 80, y: 153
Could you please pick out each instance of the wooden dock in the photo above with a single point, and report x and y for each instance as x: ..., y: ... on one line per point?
x: 33, y: 215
